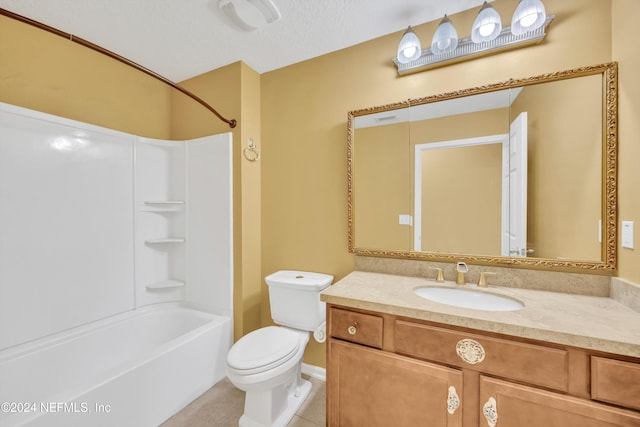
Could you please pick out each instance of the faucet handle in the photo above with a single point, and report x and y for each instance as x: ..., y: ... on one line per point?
x: 440, y: 277
x: 482, y: 281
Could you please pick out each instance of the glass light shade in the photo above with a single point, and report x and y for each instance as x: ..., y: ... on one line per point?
x: 487, y: 25
x: 445, y: 38
x: 409, y: 48
x: 528, y: 16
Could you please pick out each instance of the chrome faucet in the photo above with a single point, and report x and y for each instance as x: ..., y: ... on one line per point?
x: 461, y: 268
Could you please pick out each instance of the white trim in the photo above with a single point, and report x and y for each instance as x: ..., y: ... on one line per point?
x: 314, y: 371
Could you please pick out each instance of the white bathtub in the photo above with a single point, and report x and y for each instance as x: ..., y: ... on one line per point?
x: 134, y: 369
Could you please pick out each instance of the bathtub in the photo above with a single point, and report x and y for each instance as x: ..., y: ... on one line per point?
x: 133, y: 369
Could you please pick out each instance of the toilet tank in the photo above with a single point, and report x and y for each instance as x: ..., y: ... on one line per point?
x: 294, y: 297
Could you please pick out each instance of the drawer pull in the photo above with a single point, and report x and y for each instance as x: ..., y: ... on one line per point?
x: 490, y: 412
x: 352, y: 329
x: 470, y: 351
x: 453, y: 401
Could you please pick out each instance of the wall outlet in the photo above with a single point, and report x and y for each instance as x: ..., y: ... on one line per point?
x: 627, y: 234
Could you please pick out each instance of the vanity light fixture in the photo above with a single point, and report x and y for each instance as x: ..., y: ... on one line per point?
x: 445, y: 38
x: 487, y: 25
x: 487, y: 37
x: 409, y: 48
x: 529, y: 16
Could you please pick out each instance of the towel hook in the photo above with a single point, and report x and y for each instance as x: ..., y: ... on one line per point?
x: 251, y: 153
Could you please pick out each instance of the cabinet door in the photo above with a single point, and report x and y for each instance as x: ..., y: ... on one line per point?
x: 508, y: 404
x: 368, y: 387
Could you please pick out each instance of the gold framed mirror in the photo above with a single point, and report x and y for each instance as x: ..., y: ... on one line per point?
x: 519, y: 173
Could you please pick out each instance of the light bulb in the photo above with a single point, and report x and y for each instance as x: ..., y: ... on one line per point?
x: 443, y: 44
x: 487, y: 29
x: 409, y: 51
x: 528, y: 20
x: 409, y: 47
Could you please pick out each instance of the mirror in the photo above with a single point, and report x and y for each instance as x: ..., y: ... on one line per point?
x: 518, y: 173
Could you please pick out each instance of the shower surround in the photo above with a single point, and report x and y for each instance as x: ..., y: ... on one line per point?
x: 100, y: 229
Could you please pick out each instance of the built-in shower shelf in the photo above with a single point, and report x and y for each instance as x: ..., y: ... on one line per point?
x: 165, y: 284
x: 163, y: 205
x: 165, y: 240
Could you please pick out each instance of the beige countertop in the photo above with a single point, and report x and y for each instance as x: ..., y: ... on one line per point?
x: 589, y: 322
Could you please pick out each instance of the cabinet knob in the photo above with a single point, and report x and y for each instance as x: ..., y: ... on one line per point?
x: 490, y: 412
x: 352, y: 329
x: 470, y: 351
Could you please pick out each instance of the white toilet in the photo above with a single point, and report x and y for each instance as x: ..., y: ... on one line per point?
x: 266, y: 363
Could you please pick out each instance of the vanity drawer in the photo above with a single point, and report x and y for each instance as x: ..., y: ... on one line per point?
x: 615, y: 381
x: 534, y: 364
x: 359, y: 328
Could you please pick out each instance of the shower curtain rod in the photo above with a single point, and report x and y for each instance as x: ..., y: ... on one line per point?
x: 232, y: 123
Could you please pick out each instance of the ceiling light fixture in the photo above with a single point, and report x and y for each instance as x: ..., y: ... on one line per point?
x: 487, y: 37
x: 242, y: 13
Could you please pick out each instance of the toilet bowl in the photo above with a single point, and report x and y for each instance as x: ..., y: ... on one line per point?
x: 267, y: 362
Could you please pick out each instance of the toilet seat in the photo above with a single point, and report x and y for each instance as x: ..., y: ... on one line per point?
x: 262, y: 350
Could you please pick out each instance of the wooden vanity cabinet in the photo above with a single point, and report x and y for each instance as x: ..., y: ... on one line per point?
x: 383, y: 370
x: 371, y: 387
x: 521, y: 405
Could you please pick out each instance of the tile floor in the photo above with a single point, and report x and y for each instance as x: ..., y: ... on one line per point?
x: 223, y: 404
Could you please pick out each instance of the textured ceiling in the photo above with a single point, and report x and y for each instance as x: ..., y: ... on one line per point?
x: 179, y: 39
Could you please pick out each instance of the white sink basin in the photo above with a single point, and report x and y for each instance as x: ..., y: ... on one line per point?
x: 467, y: 298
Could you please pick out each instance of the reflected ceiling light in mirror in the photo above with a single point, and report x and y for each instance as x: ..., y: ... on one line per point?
x: 445, y: 39
x: 487, y: 25
x: 528, y: 16
x: 409, y: 48
x: 487, y: 37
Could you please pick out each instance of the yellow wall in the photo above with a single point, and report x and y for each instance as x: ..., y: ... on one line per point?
x: 236, y: 88
x: 462, y: 200
x: 383, y: 188
x: 44, y: 72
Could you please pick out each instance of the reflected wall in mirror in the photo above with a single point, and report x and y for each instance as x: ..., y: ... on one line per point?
x: 519, y: 173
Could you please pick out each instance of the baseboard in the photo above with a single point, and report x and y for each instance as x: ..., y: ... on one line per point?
x: 314, y: 371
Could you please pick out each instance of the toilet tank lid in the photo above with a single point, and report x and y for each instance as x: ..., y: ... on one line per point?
x: 299, y: 280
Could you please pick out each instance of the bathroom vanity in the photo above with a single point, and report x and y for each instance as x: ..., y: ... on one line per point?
x: 394, y: 358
